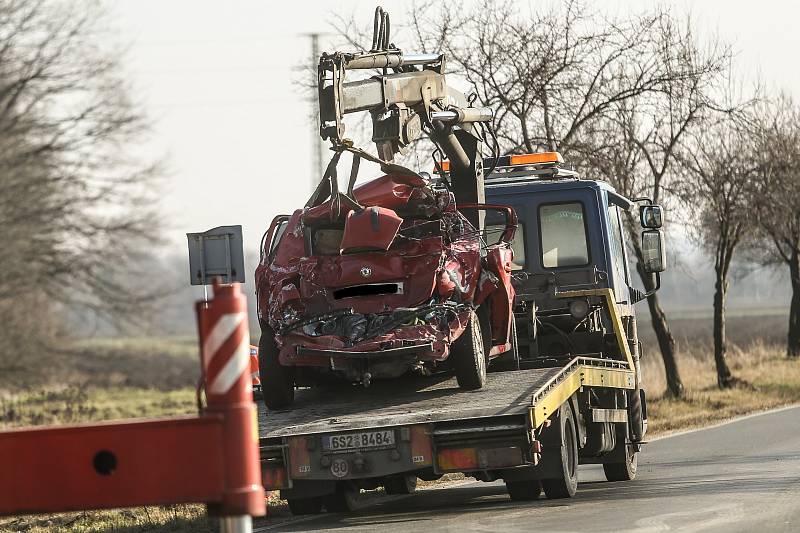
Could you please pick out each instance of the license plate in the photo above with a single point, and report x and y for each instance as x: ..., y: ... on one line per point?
x: 356, y: 441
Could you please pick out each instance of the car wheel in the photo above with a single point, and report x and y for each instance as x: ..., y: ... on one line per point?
x: 469, y: 357
x: 343, y: 500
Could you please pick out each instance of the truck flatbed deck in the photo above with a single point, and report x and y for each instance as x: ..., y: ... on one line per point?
x: 437, y: 399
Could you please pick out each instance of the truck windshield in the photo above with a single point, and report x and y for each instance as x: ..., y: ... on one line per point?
x: 563, y: 235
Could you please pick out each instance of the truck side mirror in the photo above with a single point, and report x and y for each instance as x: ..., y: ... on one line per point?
x: 653, y: 253
x: 651, y: 216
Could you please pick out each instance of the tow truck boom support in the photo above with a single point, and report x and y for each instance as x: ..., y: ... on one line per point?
x: 404, y: 104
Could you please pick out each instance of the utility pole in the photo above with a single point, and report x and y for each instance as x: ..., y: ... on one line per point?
x: 316, y: 141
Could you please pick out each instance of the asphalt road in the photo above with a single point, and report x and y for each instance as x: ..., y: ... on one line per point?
x: 741, y: 476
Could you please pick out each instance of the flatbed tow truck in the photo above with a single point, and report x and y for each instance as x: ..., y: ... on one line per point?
x: 567, y: 392
x: 429, y: 429
x: 530, y: 426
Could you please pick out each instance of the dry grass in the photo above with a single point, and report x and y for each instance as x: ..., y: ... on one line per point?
x: 165, y: 364
x: 77, y: 404
x: 772, y: 380
x: 67, y: 405
x: 178, y: 518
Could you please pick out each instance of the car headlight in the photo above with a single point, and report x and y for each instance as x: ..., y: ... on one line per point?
x: 289, y: 314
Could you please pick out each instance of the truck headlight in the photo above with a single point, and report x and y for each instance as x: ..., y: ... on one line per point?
x: 579, y: 309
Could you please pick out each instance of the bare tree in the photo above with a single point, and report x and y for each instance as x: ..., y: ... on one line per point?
x: 722, y: 165
x: 634, y: 146
x: 551, y: 72
x: 75, y: 205
x: 616, y: 95
x: 778, y: 200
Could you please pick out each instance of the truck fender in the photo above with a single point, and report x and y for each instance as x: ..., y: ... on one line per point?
x: 551, y: 436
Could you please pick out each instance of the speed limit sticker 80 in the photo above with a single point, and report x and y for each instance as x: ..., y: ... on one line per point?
x: 339, y: 467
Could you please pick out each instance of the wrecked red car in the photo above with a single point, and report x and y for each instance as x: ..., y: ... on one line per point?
x: 388, y: 279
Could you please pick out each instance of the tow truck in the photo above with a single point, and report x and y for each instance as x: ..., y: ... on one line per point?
x: 568, y: 393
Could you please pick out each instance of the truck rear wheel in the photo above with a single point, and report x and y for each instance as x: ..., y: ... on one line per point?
x: 625, y: 471
x: 402, y: 484
x: 635, y: 414
x: 566, y: 485
x: 277, y: 381
x: 300, y: 506
x: 469, y: 357
x: 343, y: 500
x: 524, y: 490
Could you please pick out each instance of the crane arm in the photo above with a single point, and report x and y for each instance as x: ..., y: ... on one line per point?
x: 410, y: 96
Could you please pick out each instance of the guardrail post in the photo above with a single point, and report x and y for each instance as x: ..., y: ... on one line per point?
x: 225, y: 355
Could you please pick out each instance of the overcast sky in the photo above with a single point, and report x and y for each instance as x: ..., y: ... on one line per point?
x: 217, y: 78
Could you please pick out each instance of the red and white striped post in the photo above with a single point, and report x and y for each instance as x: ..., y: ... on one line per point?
x: 225, y: 353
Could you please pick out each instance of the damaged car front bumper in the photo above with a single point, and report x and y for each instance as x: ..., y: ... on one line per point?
x: 385, y: 352
x: 416, y: 342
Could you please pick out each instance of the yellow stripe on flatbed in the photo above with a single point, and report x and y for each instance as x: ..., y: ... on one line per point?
x: 580, y: 372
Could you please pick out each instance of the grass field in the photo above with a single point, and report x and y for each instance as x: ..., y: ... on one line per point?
x: 111, y: 379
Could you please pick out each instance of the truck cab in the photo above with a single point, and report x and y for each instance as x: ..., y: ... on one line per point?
x: 571, y: 269
x: 570, y: 235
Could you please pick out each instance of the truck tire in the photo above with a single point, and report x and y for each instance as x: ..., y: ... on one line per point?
x: 402, y: 484
x: 566, y: 485
x: 469, y: 357
x: 524, y: 489
x: 635, y: 415
x: 300, y: 506
x: 625, y: 471
x: 343, y: 500
x: 277, y: 381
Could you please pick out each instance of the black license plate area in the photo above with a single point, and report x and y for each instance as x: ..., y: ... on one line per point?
x: 360, y: 440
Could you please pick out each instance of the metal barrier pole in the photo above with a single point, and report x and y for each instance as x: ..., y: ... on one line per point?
x: 236, y: 524
x: 225, y: 354
x: 209, y: 458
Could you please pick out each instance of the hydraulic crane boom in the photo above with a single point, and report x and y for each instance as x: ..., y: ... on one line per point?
x: 412, y: 99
